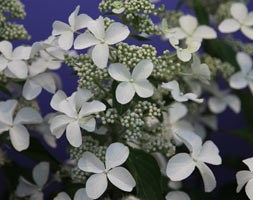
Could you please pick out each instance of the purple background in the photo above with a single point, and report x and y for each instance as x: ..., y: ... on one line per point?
x: 40, y: 16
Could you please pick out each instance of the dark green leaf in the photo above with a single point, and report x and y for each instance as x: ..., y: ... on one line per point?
x: 147, y: 175
x: 245, y: 134
x: 201, y: 13
x: 140, y: 38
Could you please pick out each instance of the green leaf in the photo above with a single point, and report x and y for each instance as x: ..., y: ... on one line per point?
x: 245, y: 134
x: 140, y: 38
x: 147, y: 175
x: 200, y: 11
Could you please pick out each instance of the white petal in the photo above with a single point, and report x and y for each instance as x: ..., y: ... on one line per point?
x: 66, y: 40
x: 116, y: 33
x: 6, y: 49
x: 122, y: 179
x: 20, y: 137
x: 58, y: 125
x: 62, y: 196
x: 81, y: 194
x: 97, y: 28
x: 74, y: 134
x: 216, y: 105
x: 193, y: 46
x: 125, y: 92
x: 82, y: 96
x: 22, y: 53
x: 242, y: 177
x: 233, y: 102
x: 142, y: 70
x: 238, y: 81
x: 180, y: 167
x: 205, y: 32
x: 96, y: 185
x: 56, y: 99
x: 249, y: 19
x: 31, y: 90
x: 249, y: 189
x: 46, y: 81
x: 116, y: 155
x: 119, y: 72
x: 40, y: 173
x: 85, y: 40
x: 90, y: 108
x: 229, y: 26
x: 18, y: 68
x: 67, y: 107
x: 176, y: 112
x: 143, y: 88
x: 28, y: 115
x: 90, y: 163
x: 248, y: 32
x: 73, y: 16
x: 249, y: 163
x: 100, y: 55
x: 177, y: 33
x: 191, y: 140
x: 183, y: 55
x: 239, y: 11
x: 3, y: 63
x: 7, y: 109
x: 82, y: 21
x: 60, y: 28
x: 177, y: 195
x: 210, y: 153
x: 188, y: 23
x: 245, y: 62
x: 207, y: 176
x: 25, y: 188
x: 88, y: 124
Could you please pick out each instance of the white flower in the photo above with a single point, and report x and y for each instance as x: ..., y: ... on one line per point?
x: 118, y: 7
x: 191, y: 31
x: 173, y: 121
x: 246, y: 177
x: 244, y: 77
x: 79, y: 195
x: 19, y: 135
x: 45, y: 131
x: 66, y: 31
x: 116, y: 155
x: 101, y: 39
x: 40, y: 176
x: 182, y: 165
x: 132, y: 83
x: 242, y: 20
x: 200, y: 70
x: 177, y: 195
x: 75, y: 112
x: 222, y: 99
x: 185, y: 54
x: 173, y: 86
x: 12, y: 61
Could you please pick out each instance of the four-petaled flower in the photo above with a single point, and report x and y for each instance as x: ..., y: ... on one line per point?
x: 116, y: 155
x: 40, y: 174
x: 246, y: 177
x: 242, y: 19
x: 244, y: 77
x: 19, y: 135
x: 75, y: 112
x: 132, y: 83
x: 66, y: 31
x: 12, y: 62
x: 182, y: 165
x: 100, y: 39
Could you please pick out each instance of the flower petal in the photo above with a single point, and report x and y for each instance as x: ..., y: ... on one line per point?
x: 60, y: 28
x: 121, y: 178
x: 143, y: 70
x: 119, y: 72
x: 62, y: 196
x: 249, y: 163
x: 85, y: 40
x: 66, y: 40
x: 176, y: 112
x: 31, y: 90
x: 229, y: 26
x: 245, y: 62
x: 7, y: 109
x: 233, y: 102
x: 239, y: 11
x: 82, y: 21
x: 177, y: 195
x: 46, y: 81
x: 188, y: 23
x: 90, y: 163
x: 183, y: 55
x: 6, y: 49
x: 238, y: 81
x: 116, y: 33
x: 100, y: 55
x: 73, y: 16
x: 207, y: 176
x: 125, y: 92
x: 81, y: 194
x: 90, y: 108
x: 21, y: 53
x: 143, y: 88
x: 216, y: 105
x: 248, y: 32
x: 242, y: 177
x: 18, y: 68
x: 40, y: 173
x: 25, y: 188
x: 28, y: 115
x: 180, y: 167
x: 56, y: 99
x: 205, y: 32
x: 249, y: 19
x: 116, y: 155
x: 58, y: 124
x: 249, y: 188
x: 97, y: 27
x: 96, y: 185
x: 74, y: 134
x: 88, y: 124
x: 20, y: 137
